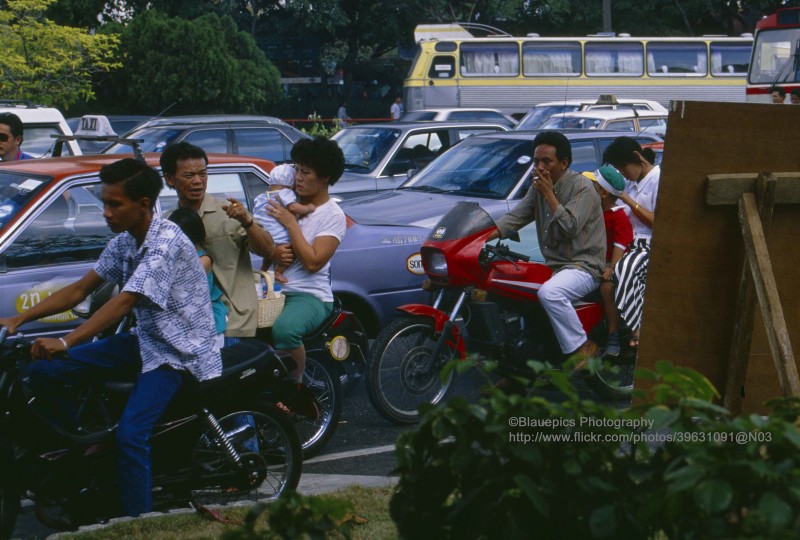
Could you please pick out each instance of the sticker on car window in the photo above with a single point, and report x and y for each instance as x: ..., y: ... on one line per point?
x: 29, y: 185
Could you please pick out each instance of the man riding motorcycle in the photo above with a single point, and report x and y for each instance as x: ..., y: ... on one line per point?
x: 163, y: 282
x: 571, y: 236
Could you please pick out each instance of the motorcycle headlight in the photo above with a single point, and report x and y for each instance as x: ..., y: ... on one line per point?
x: 434, y: 261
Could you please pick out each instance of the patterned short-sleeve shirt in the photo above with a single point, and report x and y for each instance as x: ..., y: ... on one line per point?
x: 175, y: 324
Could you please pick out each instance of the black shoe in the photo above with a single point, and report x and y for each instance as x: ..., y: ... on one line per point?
x: 299, y: 400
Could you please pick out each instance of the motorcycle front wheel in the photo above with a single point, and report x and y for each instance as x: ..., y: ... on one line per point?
x: 267, y: 442
x: 614, y: 379
x: 323, y: 379
x: 9, y: 490
x: 402, y: 373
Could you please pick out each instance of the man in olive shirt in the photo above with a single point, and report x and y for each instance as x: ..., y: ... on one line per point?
x: 571, y: 232
x: 231, y: 234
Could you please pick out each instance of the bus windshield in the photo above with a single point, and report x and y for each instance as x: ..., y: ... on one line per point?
x: 775, y: 57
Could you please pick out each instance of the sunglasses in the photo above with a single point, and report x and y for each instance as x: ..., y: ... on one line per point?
x: 4, y: 137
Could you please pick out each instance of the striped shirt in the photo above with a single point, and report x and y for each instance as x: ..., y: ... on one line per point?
x: 574, y: 236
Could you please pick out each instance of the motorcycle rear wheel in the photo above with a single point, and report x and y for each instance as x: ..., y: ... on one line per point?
x: 9, y: 490
x: 401, y: 373
x: 273, y: 459
x: 324, y: 382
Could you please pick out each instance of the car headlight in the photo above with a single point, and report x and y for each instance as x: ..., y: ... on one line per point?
x: 434, y: 261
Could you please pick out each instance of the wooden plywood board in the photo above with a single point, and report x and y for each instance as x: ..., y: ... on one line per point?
x: 697, y: 250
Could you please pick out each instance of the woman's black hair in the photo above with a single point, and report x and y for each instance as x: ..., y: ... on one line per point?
x: 649, y: 154
x: 622, y: 151
x: 190, y: 223
x: 322, y: 155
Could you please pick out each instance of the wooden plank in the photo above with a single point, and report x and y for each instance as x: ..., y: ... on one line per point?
x: 745, y: 304
x: 767, y: 293
x: 724, y: 189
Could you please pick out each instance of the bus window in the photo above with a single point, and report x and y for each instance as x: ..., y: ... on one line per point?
x: 677, y: 58
x: 623, y: 59
x: 487, y: 59
x: 773, y: 55
x: 442, y: 67
x: 728, y: 59
x: 551, y: 59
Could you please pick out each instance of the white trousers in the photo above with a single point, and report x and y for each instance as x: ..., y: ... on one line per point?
x: 557, y: 295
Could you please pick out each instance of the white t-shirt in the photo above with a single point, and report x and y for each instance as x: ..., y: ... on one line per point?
x: 327, y: 220
x: 396, y: 110
x: 267, y: 220
x: 643, y: 192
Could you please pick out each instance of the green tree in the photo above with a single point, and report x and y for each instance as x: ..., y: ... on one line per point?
x: 44, y: 62
x: 205, y: 64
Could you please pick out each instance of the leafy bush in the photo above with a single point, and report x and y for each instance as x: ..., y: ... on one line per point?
x: 521, y: 467
x: 297, y: 516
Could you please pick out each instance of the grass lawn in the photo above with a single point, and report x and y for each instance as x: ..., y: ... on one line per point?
x: 372, y: 504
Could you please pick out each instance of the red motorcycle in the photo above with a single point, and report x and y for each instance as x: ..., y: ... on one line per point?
x: 486, y: 305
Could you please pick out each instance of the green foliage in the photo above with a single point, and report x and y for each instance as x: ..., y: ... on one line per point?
x: 318, y: 127
x: 511, y: 466
x: 297, y: 516
x: 204, y: 64
x: 47, y: 63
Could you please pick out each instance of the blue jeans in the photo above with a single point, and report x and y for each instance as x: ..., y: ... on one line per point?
x: 115, y: 357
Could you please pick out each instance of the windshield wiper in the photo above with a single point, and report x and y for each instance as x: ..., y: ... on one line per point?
x: 427, y: 189
x: 355, y: 166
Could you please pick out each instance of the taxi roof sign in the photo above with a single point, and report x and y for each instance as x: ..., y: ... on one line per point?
x: 95, y: 124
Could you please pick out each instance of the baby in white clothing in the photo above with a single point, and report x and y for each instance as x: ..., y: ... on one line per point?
x: 281, y: 184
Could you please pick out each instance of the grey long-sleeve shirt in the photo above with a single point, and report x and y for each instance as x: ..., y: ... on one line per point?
x: 574, y: 236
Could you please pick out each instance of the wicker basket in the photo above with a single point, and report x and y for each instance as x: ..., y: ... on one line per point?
x: 269, y: 308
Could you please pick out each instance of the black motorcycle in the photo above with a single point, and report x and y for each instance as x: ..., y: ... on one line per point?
x: 220, y: 440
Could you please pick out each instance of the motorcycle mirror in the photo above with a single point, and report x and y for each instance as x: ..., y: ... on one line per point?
x: 96, y: 300
x: 514, y: 236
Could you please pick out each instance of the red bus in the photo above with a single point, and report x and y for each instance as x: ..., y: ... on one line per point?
x: 775, y: 61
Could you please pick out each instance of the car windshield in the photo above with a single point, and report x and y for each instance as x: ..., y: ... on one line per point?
x: 418, y: 116
x: 16, y: 191
x: 537, y: 116
x: 155, y: 139
x: 364, y: 148
x: 565, y: 122
x: 476, y: 167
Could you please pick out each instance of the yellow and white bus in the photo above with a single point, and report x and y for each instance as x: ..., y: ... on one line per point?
x: 452, y: 68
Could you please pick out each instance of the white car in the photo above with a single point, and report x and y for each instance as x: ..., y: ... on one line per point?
x: 39, y: 123
x: 541, y: 112
x: 654, y: 122
x: 460, y: 115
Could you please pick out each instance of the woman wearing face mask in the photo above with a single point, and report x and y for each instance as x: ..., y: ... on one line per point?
x: 641, y: 189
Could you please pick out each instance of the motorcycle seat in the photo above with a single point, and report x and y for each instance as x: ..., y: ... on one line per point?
x: 246, y: 359
x: 337, y: 310
x: 593, y: 297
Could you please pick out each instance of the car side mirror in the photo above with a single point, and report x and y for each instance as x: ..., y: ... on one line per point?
x: 411, y: 172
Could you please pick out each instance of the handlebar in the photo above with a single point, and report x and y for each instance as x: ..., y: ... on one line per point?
x: 502, y: 251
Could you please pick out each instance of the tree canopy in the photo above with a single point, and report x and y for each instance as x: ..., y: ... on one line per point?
x: 205, y: 64
x: 48, y: 63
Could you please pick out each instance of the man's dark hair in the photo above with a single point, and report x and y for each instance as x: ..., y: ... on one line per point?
x: 796, y: 92
x: 621, y: 152
x: 13, y: 122
x: 137, y: 178
x: 190, y: 223
x: 780, y: 90
x: 322, y: 155
x: 176, y: 152
x: 557, y: 140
